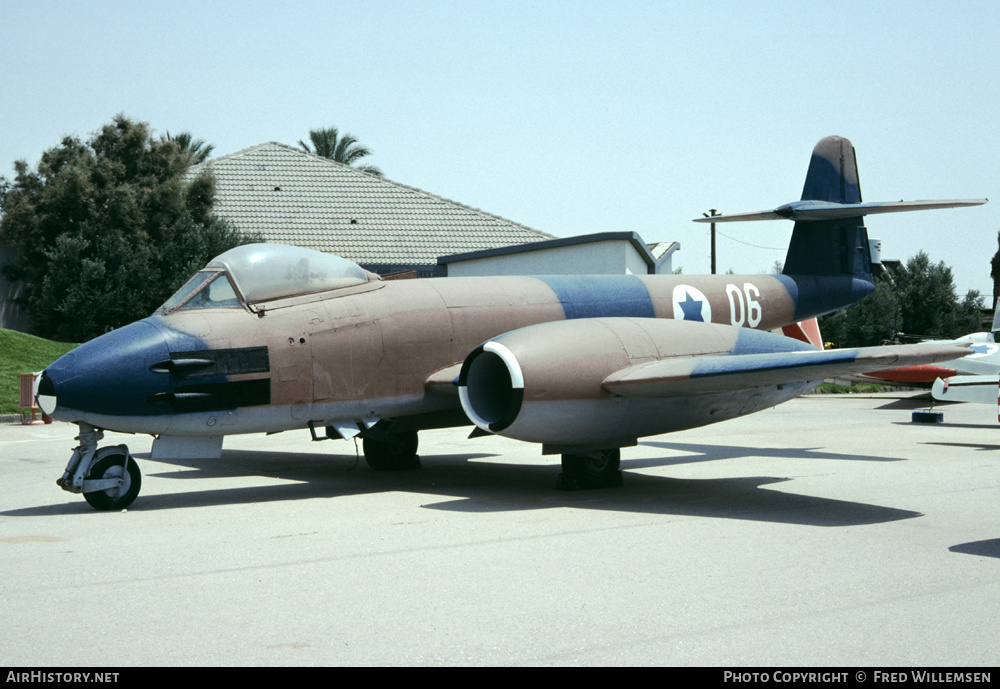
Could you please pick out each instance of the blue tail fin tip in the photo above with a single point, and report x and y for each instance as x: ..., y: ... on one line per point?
x: 833, y: 172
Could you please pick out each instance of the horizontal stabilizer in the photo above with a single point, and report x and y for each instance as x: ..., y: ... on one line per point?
x: 683, y: 376
x: 984, y: 362
x: 979, y: 389
x: 827, y: 210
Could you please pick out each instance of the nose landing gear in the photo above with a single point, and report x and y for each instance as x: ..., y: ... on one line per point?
x: 108, y: 477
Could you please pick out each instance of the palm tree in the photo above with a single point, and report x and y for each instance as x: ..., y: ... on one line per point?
x: 194, y: 150
x: 343, y: 149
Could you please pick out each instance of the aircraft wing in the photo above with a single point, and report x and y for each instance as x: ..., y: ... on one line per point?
x: 693, y: 375
x: 829, y: 210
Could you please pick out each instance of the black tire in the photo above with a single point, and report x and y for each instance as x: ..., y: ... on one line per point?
x: 392, y: 451
x: 601, y: 469
x: 111, y: 466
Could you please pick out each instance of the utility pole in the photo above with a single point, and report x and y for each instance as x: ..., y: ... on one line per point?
x: 713, y: 214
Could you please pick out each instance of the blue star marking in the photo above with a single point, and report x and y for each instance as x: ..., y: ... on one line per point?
x: 981, y: 349
x: 691, y: 308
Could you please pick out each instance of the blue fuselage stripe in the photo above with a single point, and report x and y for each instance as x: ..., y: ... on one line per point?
x: 595, y: 296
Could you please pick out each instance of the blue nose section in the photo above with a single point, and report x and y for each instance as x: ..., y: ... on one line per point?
x: 110, y: 375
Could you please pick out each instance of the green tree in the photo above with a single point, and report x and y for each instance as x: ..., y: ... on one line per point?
x: 345, y: 149
x: 105, y: 231
x: 871, y: 321
x: 928, y: 304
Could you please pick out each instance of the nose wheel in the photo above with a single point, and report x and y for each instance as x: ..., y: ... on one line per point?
x: 108, y: 478
x: 119, y: 472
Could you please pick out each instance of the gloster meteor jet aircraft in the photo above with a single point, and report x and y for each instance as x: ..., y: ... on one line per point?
x: 271, y: 338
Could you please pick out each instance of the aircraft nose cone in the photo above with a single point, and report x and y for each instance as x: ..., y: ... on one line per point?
x: 107, y: 377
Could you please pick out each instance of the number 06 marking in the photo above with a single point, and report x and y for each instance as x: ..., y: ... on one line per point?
x: 743, y: 307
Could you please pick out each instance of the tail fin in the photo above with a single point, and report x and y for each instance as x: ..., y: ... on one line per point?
x: 831, y: 248
x: 833, y: 172
x: 828, y: 265
x: 830, y: 239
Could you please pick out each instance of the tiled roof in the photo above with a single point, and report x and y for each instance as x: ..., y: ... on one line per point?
x: 293, y: 197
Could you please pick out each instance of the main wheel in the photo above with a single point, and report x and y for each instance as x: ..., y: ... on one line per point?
x: 601, y: 469
x: 114, y: 466
x: 392, y: 451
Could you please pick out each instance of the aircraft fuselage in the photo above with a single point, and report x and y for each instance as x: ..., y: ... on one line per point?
x: 368, y: 350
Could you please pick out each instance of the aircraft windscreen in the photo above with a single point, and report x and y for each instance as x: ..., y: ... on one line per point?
x: 262, y: 272
x: 208, y: 289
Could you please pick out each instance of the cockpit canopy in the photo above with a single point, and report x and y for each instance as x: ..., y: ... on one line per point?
x: 262, y: 272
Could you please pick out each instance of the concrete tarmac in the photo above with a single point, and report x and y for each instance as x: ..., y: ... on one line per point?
x: 828, y: 531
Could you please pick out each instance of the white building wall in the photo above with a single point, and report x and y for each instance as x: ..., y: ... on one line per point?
x: 613, y: 257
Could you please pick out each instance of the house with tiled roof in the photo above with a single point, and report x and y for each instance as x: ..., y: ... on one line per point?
x: 289, y: 196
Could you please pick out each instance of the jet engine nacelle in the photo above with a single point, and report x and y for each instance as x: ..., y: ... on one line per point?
x: 543, y: 383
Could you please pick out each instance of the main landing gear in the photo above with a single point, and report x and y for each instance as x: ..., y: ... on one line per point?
x: 600, y: 469
x: 108, y: 477
x: 386, y: 451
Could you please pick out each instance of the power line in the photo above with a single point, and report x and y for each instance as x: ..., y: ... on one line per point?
x: 756, y: 246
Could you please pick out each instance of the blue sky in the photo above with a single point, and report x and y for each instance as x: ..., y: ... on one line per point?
x: 569, y: 117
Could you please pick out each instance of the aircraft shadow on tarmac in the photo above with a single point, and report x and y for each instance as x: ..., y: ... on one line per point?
x: 982, y: 447
x: 922, y: 401
x: 705, y: 453
x: 945, y: 424
x: 926, y: 403
x: 472, y: 483
x: 987, y: 548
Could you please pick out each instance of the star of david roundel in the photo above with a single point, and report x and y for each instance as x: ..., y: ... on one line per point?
x: 691, y: 305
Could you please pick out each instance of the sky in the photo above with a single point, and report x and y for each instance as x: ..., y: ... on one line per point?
x: 570, y: 117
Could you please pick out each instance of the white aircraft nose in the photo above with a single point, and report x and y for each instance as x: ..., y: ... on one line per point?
x: 45, y: 394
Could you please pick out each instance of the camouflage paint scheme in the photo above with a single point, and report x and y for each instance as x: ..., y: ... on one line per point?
x: 578, y: 363
x: 369, y: 352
